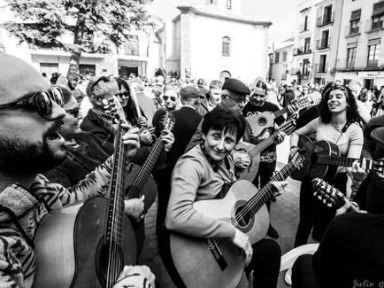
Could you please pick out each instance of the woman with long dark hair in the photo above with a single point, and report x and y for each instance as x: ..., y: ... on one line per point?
x: 337, y: 123
x: 129, y: 106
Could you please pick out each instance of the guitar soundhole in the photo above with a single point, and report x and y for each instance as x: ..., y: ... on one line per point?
x: 262, y: 121
x: 242, y: 218
x: 102, y: 262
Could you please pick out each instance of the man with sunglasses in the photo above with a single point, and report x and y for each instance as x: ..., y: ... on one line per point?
x: 31, y: 116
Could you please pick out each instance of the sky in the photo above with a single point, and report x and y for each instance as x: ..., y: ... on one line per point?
x: 280, y: 12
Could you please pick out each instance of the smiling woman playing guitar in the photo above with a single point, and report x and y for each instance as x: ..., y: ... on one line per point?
x: 203, y: 173
x: 337, y: 125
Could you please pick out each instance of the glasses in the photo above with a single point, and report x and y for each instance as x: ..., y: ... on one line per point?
x: 238, y: 101
x: 74, y: 112
x: 40, y: 101
x: 173, y: 98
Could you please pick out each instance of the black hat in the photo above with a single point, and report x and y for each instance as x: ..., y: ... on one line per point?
x: 378, y: 135
x: 236, y: 86
x: 188, y: 92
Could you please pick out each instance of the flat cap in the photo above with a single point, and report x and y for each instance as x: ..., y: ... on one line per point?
x: 189, y: 92
x: 236, y: 86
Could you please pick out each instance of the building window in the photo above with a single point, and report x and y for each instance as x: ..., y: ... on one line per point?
x: 87, y: 69
x: 305, y: 69
x: 307, y: 45
x: 378, y: 15
x: 229, y: 4
x: 354, y: 22
x: 351, y: 57
x: 277, y: 56
x: 373, y: 55
x: 225, y: 47
x: 324, y: 43
x: 285, y: 56
x: 377, y: 22
x: 327, y: 17
x: 306, y: 23
x: 323, y: 64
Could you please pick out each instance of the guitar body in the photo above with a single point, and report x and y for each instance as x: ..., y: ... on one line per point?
x: 71, y: 250
x: 192, y: 257
x: 149, y: 189
x: 250, y: 172
x: 312, y: 151
x: 261, y: 121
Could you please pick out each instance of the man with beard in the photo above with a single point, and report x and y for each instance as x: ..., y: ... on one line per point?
x: 31, y: 116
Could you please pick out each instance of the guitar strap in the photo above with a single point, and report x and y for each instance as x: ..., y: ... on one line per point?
x: 343, y: 130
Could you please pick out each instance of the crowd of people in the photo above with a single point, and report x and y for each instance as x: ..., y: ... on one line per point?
x: 58, y: 142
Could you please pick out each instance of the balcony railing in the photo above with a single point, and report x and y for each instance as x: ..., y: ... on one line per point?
x: 372, y: 64
x: 325, y: 20
x: 323, y: 43
x: 358, y: 64
x: 301, y: 51
x: 370, y: 26
x: 352, y: 31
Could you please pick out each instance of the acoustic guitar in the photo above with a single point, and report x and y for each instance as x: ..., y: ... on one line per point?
x: 218, y: 263
x: 87, y: 244
x: 331, y: 196
x: 254, y: 151
x: 260, y: 121
x: 322, y: 160
x: 139, y: 180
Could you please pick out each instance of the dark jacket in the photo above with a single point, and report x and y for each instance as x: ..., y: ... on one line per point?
x: 186, y: 122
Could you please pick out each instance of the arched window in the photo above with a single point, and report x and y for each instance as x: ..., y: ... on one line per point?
x: 225, y: 46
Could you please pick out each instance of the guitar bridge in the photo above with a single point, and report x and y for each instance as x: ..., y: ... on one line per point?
x: 217, y: 254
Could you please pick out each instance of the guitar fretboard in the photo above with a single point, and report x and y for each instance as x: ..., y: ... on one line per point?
x: 267, y: 192
x: 341, y: 161
x: 146, y: 170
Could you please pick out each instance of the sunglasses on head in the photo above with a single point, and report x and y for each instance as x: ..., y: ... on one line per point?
x: 173, y: 98
x: 40, y: 101
x: 74, y: 112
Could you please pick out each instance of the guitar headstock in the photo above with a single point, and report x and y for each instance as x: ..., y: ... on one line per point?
x: 168, y: 121
x: 328, y: 194
x: 298, y: 159
x: 303, y: 102
x: 288, y: 127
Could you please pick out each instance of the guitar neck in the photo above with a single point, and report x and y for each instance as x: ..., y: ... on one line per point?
x: 267, y: 192
x: 261, y: 146
x: 146, y: 170
x: 342, y: 161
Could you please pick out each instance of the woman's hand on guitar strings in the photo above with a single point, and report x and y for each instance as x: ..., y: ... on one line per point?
x: 241, y: 159
x: 279, y: 186
x: 168, y: 139
x: 241, y: 240
x: 131, y: 140
x: 139, y: 276
x: 135, y: 207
